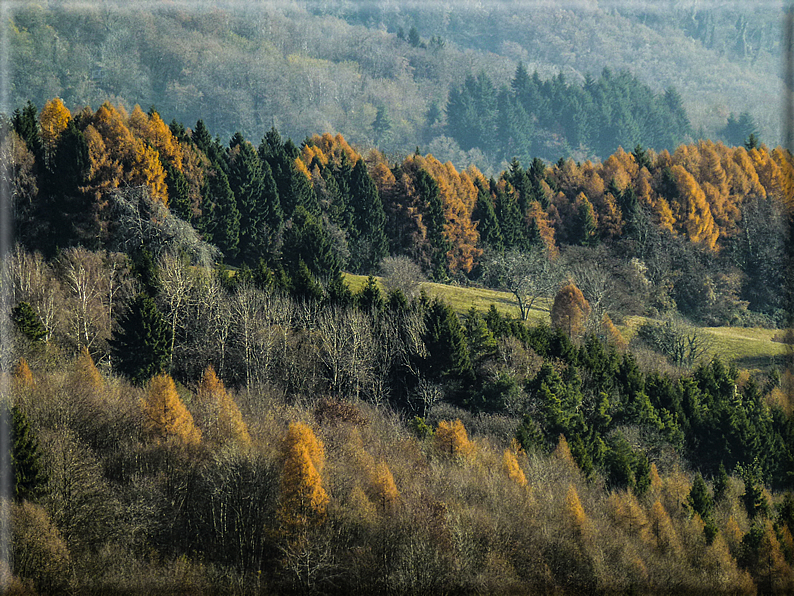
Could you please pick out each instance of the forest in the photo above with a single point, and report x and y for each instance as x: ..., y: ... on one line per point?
x: 201, y: 400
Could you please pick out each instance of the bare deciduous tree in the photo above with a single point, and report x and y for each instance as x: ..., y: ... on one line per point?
x: 527, y: 275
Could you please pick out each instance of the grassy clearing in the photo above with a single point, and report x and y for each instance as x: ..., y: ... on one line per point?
x: 750, y: 348
x: 462, y: 299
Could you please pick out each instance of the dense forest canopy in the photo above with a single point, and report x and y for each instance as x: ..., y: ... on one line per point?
x: 199, y: 398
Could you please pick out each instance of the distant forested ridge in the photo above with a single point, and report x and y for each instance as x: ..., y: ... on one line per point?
x: 386, y: 77
x: 551, y: 118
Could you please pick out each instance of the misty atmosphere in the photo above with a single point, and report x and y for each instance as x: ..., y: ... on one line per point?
x: 396, y: 297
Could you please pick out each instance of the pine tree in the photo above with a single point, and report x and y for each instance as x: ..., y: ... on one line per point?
x: 141, y: 347
x: 434, y: 221
x: 700, y: 499
x: 225, y: 224
x: 445, y: 340
x: 382, y: 125
x: 370, y: 298
x: 28, y: 322
x: 369, y: 244
x: 487, y: 223
x: 306, y: 240
x: 165, y: 414
x: 24, y: 458
x: 178, y: 193
x: 247, y: 185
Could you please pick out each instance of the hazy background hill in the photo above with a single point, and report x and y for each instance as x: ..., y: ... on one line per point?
x: 333, y: 66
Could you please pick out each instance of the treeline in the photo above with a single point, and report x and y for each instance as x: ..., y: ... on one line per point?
x: 550, y: 118
x: 701, y: 230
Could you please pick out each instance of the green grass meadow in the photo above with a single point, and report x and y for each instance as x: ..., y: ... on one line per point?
x: 750, y: 348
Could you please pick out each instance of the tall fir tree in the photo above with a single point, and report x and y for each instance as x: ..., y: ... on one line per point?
x: 434, y: 220
x: 141, y: 348
x: 369, y: 243
x: 247, y: 182
x: 487, y: 223
x: 224, y: 217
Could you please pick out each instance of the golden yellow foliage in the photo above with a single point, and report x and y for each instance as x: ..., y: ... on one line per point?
x: 223, y: 421
x: 664, y: 214
x: 627, y: 513
x: 574, y: 512
x: 303, y: 501
x: 153, y: 130
x: 512, y: 469
x: 692, y: 210
x: 54, y: 118
x: 733, y: 534
x: 301, y: 167
x: 562, y: 453
x: 451, y: 438
x: 656, y: 481
x: 613, y: 334
x: 86, y: 371
x: 772, y: 571
x: 166, y: 416
x: 300, y: 434
x: 148, y: 171
x: 662, y: 532
x: 23, y: 376
x: 722, y: 569
x: 384, y: 487
x: 540, y: 218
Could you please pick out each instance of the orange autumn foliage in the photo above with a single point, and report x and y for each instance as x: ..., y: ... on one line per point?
x: 166, y: 416
x: 223, y: 421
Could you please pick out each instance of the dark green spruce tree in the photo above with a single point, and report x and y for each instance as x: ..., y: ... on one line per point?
x: 23, y: 463
x: 28, y: 322
x: 223, y: 226
x: 306, y: 240
x: 369, y: 244
x: 247, y: 182
x: 487, y: 224
x: 434, y: 219
x: 141, y: 348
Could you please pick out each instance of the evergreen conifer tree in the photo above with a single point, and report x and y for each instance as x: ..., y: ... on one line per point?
x: 141, y: 347
x: 434, y: 220
x: 28, y: 322
x: 24, y: 458
x: 225, y: 226
x: 487, y: 223
x: 247, y: 182
x: 369, y: 241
